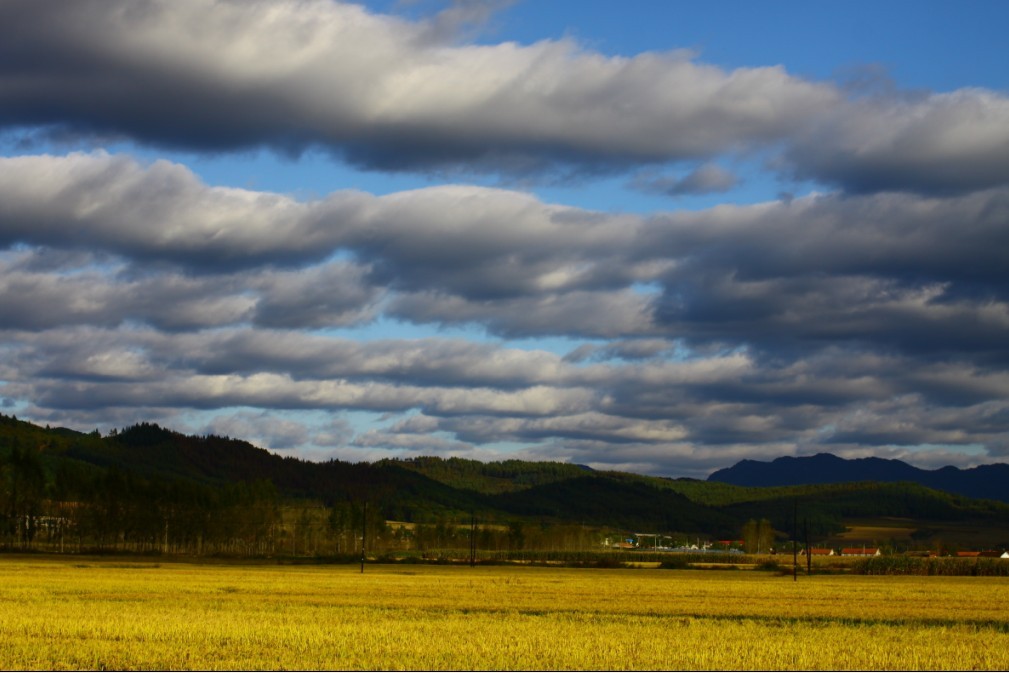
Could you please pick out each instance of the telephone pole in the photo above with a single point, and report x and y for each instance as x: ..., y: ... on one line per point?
x: 472, y: 539
x: 364, y: 533
x: 809, y: 557
x: 795, y: 534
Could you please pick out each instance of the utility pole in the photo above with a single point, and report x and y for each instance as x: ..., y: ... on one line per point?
x: 472, y: 539
x: 364, y: 533
x: 809, y: 557
x: 795, y: 534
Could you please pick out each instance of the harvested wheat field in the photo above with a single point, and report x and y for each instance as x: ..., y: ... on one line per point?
x: 108, y: 614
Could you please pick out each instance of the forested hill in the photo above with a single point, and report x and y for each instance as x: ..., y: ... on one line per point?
x: 150, y: 452
x: 156, y: 472
x: 154, y: 459
x: 506, y: 476
x: 985, y: 481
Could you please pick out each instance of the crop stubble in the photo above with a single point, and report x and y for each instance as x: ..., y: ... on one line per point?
x: 95, y: 614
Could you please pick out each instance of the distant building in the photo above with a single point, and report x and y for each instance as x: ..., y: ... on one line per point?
x: 818, y: 551
x: 860, y: 551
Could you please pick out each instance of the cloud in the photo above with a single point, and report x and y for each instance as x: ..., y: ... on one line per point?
x: 103, y: 240
x: 392, y: 94
x: 415, y: 443
x: 590, y: 425
x: 869, y: 318
x: 157, y: 213
x: 705, y: 179
x: 706, y: 406
x: 326, y: 295
x: 830, y: 321
x: 463, y: 19
x: 280, y: 391
x: 580, y: 314
x: 425, y: 362
x: 626, y: 349
x: 381, y: 91
x: 904, y: 423
x: 943, y: 143
x: 897, y: 271
x: 262, y: 428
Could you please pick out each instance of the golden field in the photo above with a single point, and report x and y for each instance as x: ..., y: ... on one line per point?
x: 113, y: 614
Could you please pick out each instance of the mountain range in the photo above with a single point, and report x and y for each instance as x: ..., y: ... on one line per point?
x: 984, y: 481
x: 146, y: 466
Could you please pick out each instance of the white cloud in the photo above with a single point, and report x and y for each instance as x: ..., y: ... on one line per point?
x: 379, y: 89
x: 391, y: 94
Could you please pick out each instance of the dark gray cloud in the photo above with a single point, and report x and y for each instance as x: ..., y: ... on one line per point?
x: 426, y: 362
x: 910, y: 271
x: 934, y: 144
x: 158, y: 213
x: 326, y: 295
x: 418, y: 444
x: 872, y: 319
x: 264, y: 428
x: 382, y: 92
x: 628, y: 349
x: 580, y: 314
x: 895, y: 272
x: 705, y: 179
x: 474, y: 394
x: 392, y: 94
x: 829, y: 321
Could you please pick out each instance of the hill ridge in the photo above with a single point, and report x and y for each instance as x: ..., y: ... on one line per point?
x: 149, y: 468
x: 983, y: 481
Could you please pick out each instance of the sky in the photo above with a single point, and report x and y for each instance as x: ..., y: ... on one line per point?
x: 647, y: 236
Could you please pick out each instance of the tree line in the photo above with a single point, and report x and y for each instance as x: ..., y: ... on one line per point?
x: 74, y: 507
x: 148, y: 489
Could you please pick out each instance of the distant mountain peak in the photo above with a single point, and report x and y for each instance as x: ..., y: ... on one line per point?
x: 984, y: 481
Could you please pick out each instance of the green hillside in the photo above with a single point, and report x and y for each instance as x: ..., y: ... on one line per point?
x: 151, y: 485
x: 490, y: 478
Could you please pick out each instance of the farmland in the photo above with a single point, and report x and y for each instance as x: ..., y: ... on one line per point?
x: 99, y: 612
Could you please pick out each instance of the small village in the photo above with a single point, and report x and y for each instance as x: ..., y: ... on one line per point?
x: 876, y: 551
x: 653, y: 542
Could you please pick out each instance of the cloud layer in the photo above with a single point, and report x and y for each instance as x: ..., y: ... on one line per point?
x: 843, y: 322
x: 389, y: 94
x: 868, y: 317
